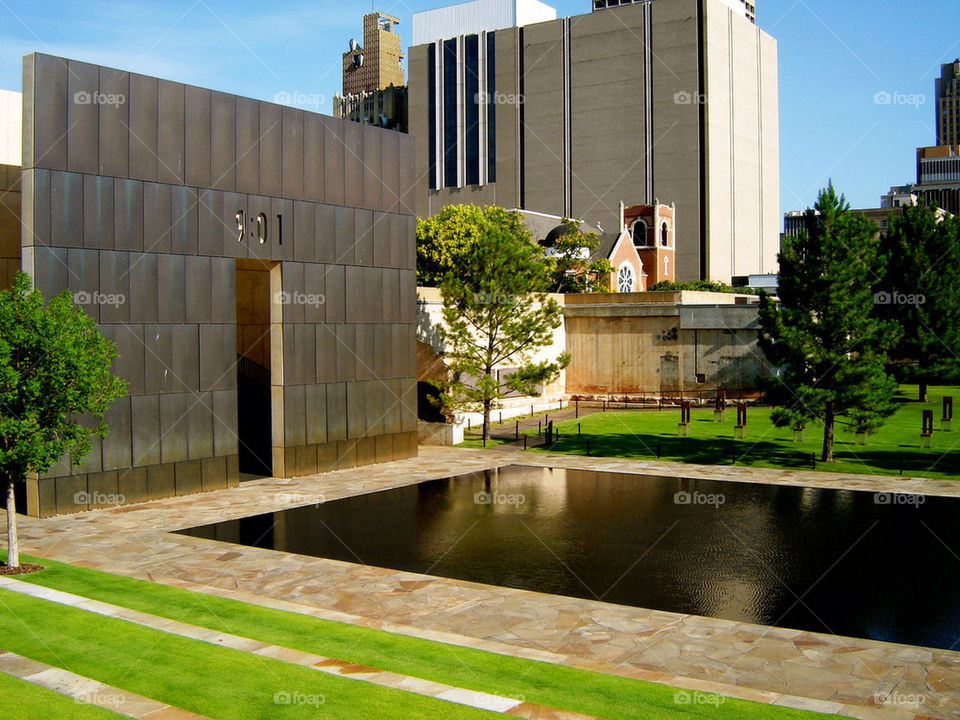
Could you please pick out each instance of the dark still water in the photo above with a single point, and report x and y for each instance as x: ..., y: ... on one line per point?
x: 834, y: 561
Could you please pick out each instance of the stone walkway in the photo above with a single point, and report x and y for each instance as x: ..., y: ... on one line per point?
x: 330, y: 666
x: 854, y: 677
x: 85, y: 690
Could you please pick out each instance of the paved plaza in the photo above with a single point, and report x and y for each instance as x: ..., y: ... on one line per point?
x: 845, y: 676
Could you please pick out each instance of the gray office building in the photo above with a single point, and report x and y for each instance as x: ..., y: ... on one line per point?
x: 671, y: 100
x: 254, y: 265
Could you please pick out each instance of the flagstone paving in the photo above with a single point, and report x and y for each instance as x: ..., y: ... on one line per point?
x: 849, y: 676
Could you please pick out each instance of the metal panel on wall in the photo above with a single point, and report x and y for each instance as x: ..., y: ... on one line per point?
x: 143, y: 101
x: 225, y: 441
x: 304, y: 232
x: 363, y: 251
x: 335, y: 294
x: 223, y: 141
x: 173, y: 426
x: 171, y: 288
x: 127, y: 214
x: 294, y: 415
x: 197, y: 137
x: 130, y: 349
x: 114, y: 143
x: 333, y: 153
x: 50, y: 84
x: 292, y: 121
x: 336, y: 411
x: 113, y: 295
x: 66, y: 209
x: 198, y: 282
x: 144, y: 288
x: 170, y: 131
x: 326, y: 233
x: 248, y: 145
x: 316, y: 414
x: 390, y: 170
x: 372, y: 170
x: 183, y: 220
x: 345, y: 237
x: 200, y: 426
x: 326, y: 353
x: 218, y: 348
x: 157, y: 200
x: 117, y: 445
x: 314, y: 137
x: 353, y: 175
x: 97, y: 211
x: 83, y: 118
x: 271, y: 149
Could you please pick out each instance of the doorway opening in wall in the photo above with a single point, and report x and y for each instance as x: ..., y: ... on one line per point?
x: 254, y: 405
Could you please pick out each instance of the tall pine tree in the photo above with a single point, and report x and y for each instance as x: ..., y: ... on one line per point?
x: 921, y: 293
x: 823, y: 339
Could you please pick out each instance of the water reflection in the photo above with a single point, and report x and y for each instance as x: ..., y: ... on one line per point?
x: 807, y: 558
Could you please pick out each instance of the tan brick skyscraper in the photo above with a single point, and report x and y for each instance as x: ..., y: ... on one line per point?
x: 378, y: 63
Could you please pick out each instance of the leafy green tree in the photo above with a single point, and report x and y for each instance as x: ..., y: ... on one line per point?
x: 443, y: 239
x: 921, y: 293
x: 496, y: 313
x: 826, y: 345
x: 571, y: 267
x: 54, y: 369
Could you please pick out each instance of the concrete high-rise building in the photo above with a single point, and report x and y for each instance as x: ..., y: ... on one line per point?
x: 745, y: 7
x: 671, y: 100
x: 948, y: 104
x: 374, y: 92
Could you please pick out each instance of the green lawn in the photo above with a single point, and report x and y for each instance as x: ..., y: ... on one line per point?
x: 639, y: 433
x: 592, y: 693
x: 22, y: 700
x: 201, y: 677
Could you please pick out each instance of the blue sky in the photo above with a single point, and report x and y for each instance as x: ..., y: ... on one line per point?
x: 835, y: 57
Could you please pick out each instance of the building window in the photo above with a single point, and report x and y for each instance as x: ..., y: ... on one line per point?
x: 450, y: 113
x: 432, y: 113
x: 664, y: 235
x: 625, y: 277
x: 471, y: 88
x: 491, y: 110
x: 639, y: 232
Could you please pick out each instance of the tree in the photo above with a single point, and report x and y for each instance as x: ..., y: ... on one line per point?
x: 444, y: 238
x: 921, y: 293
x: 571, y: 267
x: 701, y: 285
x: 54, y: 371
x: 827, y: 347
x: 496, y: 311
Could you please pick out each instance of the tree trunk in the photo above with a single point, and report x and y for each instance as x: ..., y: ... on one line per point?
x: 827, y: 454
x: 13, y: 546
x: 486, y: 421
x: 922, y: 391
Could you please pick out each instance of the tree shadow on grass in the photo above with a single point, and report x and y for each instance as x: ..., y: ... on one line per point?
x: 727, y: 451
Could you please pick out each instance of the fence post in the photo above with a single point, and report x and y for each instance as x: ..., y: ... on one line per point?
x: 539, y: 430
x: 578, y: 429
x: 516, y: 431
x: 576, y: 408
x: 524, y: 442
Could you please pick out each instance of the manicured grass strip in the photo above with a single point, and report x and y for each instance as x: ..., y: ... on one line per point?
x: 641, y: 433
x: 557, y: 686
x: 201, y: 677
x: 22, y: 700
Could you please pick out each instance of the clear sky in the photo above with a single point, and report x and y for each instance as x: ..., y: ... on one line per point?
x: 837, y: 59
